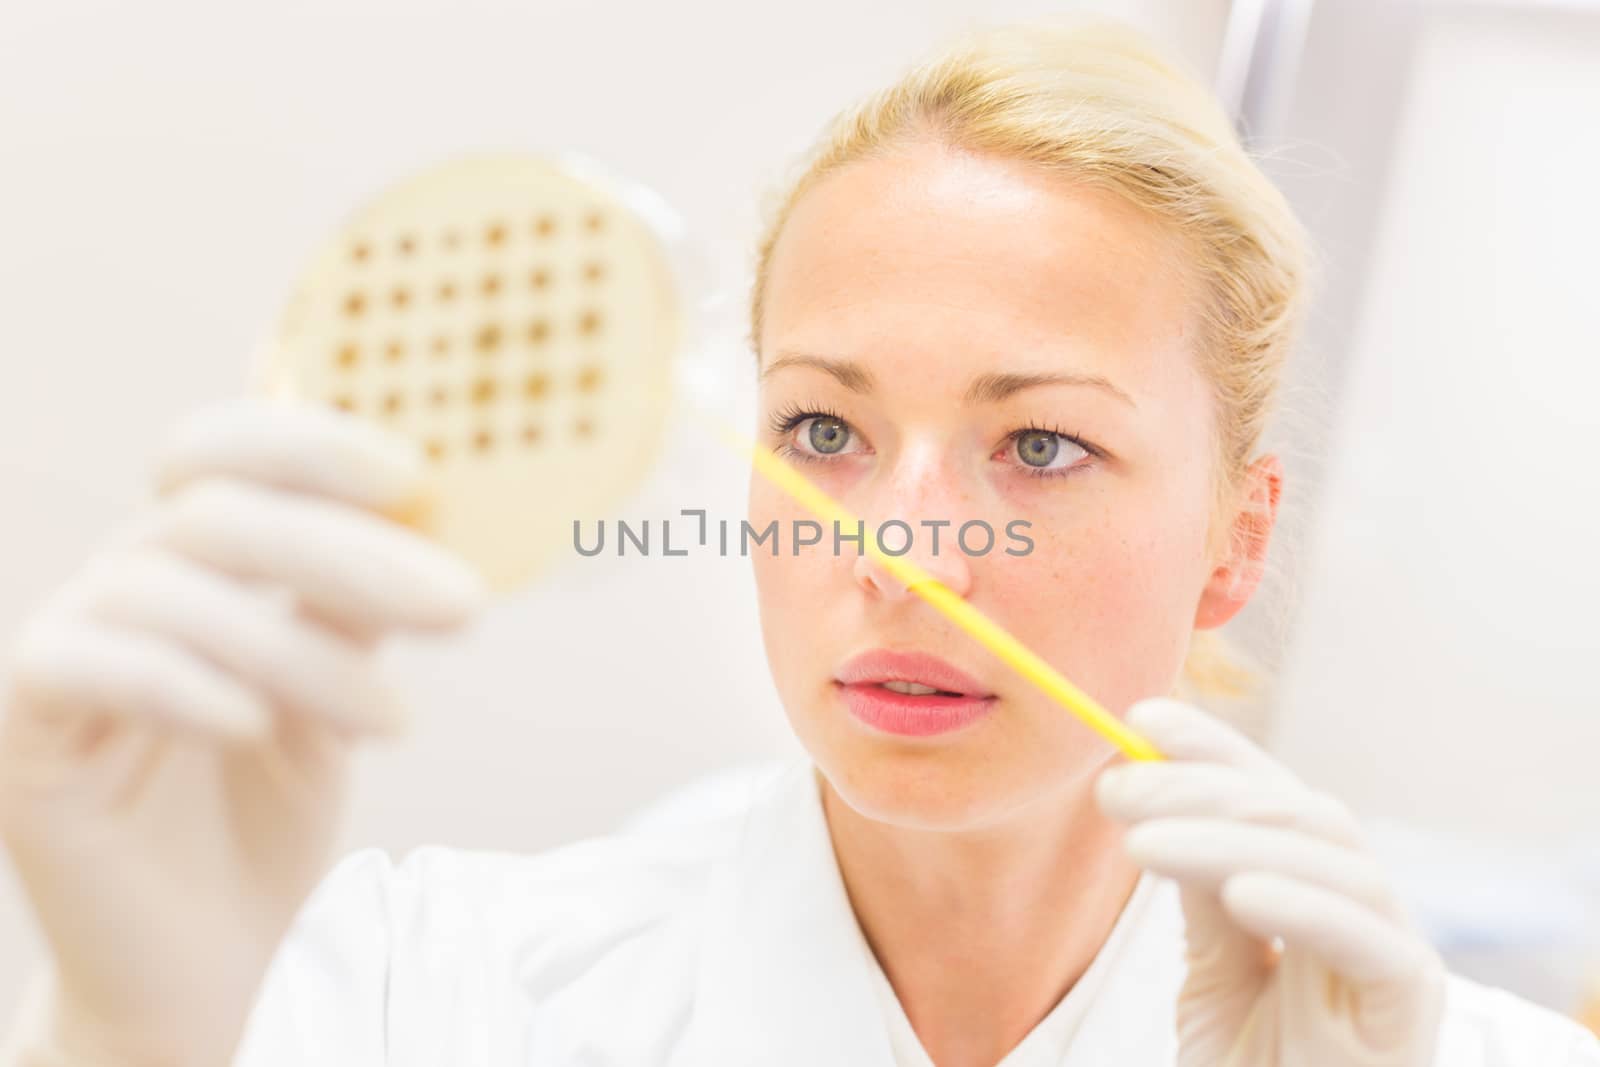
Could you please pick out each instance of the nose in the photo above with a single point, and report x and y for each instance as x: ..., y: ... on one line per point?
x: 876, y: 579
x: 925, y: 533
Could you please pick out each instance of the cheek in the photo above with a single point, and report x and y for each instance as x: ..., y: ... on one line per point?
x: 1108, y: 601
x: 793, y: 593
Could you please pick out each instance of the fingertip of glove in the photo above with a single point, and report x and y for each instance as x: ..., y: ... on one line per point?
x: 1141, y: 843
x: 393, y: 723
x: 467, y: 593
x: 1155, y: 715
x: 1111, y: 789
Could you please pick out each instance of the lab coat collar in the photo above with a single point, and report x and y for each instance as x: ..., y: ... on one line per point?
x: 785, y: 976
x: 782, y: 980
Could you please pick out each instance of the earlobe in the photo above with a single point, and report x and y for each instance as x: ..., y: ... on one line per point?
x: 1236, y: 577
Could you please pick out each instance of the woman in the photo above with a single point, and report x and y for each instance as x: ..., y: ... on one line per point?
x: 1037, y: 279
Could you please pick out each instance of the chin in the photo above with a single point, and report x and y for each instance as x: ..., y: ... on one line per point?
x: 985, y: 775
x: 918, y: 786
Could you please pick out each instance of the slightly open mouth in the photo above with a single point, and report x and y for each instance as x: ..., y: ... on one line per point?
x: 916, y: 689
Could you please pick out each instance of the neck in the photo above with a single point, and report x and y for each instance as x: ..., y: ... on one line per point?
x: 981, y: 933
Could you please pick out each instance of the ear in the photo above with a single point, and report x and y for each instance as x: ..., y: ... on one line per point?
x: 1239, y: 571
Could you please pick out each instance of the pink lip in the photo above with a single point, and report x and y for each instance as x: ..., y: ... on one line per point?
x: 860, y: 686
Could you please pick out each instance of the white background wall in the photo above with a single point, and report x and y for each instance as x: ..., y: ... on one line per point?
x: 167, y: 166
x: 1444, y: 665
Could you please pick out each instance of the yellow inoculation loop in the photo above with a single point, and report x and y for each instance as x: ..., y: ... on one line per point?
x: 982, y: 629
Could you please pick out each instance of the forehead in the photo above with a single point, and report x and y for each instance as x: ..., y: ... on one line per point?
x: 933, y: 255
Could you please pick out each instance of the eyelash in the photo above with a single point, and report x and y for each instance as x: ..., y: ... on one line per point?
x: 786, y: 419
x: 1045, y: 472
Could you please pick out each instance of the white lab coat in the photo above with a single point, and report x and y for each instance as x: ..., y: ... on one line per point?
x: 716, y: 933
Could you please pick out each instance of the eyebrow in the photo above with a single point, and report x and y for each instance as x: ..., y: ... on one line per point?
x: 984, y: 389
x: 852, y: 376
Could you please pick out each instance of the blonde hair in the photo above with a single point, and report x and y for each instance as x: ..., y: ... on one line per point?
x: 1095, y: 101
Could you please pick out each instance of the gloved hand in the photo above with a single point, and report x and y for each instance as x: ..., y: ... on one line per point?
x: 1298, y: 951
x: 178, y: 715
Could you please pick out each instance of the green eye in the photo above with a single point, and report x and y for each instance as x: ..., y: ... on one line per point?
x: 1038, y: 448
x: 828, y: 434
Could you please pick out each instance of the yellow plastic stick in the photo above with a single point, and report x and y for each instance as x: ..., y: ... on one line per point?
x: 982, y: 629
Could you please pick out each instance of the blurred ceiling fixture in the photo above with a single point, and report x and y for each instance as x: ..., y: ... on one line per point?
x: 1260, y: 60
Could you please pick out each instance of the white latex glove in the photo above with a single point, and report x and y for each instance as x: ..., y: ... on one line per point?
x: 1298, y: 951
x: 177, y: 719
